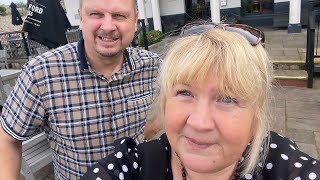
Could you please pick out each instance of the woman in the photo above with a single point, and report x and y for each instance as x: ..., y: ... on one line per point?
x: 214, y: 90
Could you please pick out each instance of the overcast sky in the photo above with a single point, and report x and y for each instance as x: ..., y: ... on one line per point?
x: 7, y: 2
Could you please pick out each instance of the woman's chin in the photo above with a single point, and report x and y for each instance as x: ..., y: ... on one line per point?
x: 198, y: 163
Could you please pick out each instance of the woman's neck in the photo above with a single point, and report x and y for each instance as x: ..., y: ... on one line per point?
x: 226, y: 174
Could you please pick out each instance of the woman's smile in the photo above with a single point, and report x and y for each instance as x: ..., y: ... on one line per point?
x: 198, y: 144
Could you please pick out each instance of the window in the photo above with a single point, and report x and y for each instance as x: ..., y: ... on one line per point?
x: 250, y: 7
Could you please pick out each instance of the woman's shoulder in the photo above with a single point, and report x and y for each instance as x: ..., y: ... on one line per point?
x: 131, y: 161
x: 285, y: 160
x: 121, y: 164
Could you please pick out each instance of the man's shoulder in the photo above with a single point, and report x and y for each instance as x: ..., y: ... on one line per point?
x: 65, y: 53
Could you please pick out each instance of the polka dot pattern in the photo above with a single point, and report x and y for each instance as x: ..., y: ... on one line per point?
x: 283, y: 160
x: 285, y: 157
x: 273, y: 146
x: 248, y: 176
x: 269, y: 166
x: 135, y: 165
x: 283, y: 152
x: 110, y: 166
x: 312, y: 176
x: 298, y: 165
x: 95, y: 170
x: 124, y: 168
x: 292, y: 147
x: 119, y: 155
x: 121, y: 176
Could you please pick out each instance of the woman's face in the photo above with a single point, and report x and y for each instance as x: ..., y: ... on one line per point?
x: 208, y: 132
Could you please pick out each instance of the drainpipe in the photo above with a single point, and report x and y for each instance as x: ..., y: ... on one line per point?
x: 215, y: 10
x: 294, y: 16
x: 156, y: 15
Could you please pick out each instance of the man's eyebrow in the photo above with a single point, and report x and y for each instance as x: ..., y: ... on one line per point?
x: 90, y: 9
x: 121, y: 12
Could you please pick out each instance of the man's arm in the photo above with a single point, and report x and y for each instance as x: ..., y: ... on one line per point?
x: 10, y: 156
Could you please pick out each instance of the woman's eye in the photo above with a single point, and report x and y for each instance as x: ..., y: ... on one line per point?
x: 184, y: 93
x: 228, y: 100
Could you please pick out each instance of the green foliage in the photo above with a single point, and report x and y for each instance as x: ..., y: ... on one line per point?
x: 153, y: 37
x: 3, y: 9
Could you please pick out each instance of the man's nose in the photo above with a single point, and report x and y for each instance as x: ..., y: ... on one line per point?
x: 108, y: 23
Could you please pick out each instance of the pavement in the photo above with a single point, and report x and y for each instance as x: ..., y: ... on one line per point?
x: 296, y: 110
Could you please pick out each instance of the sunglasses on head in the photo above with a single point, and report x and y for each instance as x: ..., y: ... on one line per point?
x: 253, y: 35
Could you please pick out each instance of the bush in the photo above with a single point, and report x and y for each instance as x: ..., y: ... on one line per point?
x: 153, y: 37
x: 3, y: 10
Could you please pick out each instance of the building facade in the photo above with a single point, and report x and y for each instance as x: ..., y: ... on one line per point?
x: 167, y: 15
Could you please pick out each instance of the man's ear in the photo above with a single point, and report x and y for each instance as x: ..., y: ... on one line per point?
x: 137, y: 17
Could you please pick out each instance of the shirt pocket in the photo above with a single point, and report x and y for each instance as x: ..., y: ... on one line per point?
x: 134, y: 115
x: 138, y: 104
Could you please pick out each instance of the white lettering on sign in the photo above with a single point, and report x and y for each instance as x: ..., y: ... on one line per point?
x: 34, y: 8
x: 30, y: 13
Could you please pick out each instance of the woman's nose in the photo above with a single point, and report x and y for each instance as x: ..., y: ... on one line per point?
x: 201, y: 118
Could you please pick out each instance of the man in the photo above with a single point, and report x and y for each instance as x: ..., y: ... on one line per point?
x: 85, y: 95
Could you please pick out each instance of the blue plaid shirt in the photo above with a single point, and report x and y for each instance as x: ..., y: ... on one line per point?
x: 81, y: 111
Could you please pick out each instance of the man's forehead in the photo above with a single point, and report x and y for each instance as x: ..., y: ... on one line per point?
x: 133, y: 1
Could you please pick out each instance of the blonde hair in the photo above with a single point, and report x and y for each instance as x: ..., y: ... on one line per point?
x: 242, y: 69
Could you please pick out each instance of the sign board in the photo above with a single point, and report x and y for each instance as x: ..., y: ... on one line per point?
x: 223, y: 2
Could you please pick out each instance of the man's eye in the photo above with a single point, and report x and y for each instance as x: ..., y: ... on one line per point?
x: 119, y: 16
x: 228, y: 100
x: 184, y: 93
x: 95, y: 14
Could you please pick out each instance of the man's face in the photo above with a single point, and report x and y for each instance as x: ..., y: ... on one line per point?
x: 108, y: 26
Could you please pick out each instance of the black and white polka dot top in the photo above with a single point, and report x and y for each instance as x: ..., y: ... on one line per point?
x: 151, y: 161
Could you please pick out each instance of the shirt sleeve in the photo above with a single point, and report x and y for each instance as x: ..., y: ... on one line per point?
x: 122, y: 164
x: 23, y: 113
x: 286, y: 161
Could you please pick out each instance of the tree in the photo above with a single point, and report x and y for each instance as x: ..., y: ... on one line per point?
x: 3, y: 10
